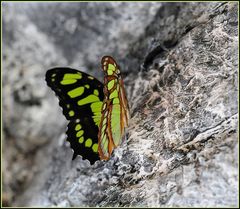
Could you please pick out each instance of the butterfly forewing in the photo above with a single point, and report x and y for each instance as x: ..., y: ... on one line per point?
x: 115, y: 111
x: 81, y: 97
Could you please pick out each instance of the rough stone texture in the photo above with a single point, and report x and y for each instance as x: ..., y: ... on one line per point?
x: 180, y: 67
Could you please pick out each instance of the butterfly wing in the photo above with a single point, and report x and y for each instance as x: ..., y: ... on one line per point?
x: 115, y: 110
x: 81, y: 98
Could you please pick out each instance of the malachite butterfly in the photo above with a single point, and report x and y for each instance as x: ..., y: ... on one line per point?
x: 98, y: 112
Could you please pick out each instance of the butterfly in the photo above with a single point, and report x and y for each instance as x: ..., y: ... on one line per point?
x: 98, y: 113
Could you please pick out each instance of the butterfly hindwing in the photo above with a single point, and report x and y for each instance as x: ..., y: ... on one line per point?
x: 81, y: 97
x: 83, y: 139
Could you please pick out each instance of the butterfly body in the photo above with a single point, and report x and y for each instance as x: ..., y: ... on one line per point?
x: 98, y: 112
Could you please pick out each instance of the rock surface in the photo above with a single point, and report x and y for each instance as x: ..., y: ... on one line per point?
x: 180, y: 67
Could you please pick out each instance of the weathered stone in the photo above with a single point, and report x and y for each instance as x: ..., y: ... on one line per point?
x: 180, y: 67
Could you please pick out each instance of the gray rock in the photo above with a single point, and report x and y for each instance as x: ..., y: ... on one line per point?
x: 180, y: 67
